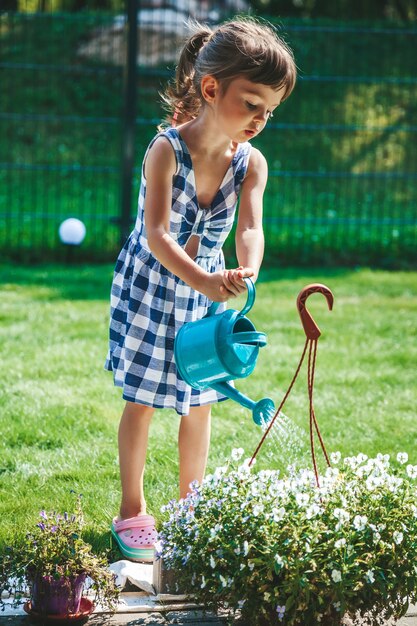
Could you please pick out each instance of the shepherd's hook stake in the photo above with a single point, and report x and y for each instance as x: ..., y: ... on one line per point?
x: 312, y: 333
x: 311, y: 329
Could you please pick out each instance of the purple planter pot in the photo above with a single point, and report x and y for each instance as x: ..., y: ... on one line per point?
x: 56, y: 597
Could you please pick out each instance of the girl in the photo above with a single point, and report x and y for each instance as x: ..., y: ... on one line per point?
x: 229, y: 81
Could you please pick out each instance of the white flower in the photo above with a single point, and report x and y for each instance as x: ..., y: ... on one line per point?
x: 223, y: 581
x: 277, y: 489
x: 412, y: 471
x: 354, y: 461
x: 402, y: 457
x: 237, y: 453
x: 215, y: 530
x: 332, y: 473
x: 278, y: 514
x: 251, y: 566
x: 335, y: 457
x: 341, y: 515
x: 245, y: 548
x: 302, y: 499
x: 372, y: 482
x: 394, y: 483
x: 361, y: 458
x: 336, y: 575
x: 312, y: 511
x: 370, y: 577
x: 359, y: 522
x: 398, y: 537
x: 306, y: 477
x: 376, y: 533
x: 279, y: 560
x: 255, y: 489
x: 340, y: 542
x: 264, y: 475
x: 220, y: 471
x: 212, y: 562
x: 248, y: 463
x: 257, y: 509
x: 203, y: 582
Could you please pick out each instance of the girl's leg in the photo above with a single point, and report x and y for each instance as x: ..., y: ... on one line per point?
x: 133, y: 443
x: 193, y: 446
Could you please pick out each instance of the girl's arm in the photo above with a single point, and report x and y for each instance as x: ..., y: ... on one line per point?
x: 249, y: 231
x: 160, y: 167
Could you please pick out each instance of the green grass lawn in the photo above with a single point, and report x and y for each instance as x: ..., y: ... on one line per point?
x: 59, y: 411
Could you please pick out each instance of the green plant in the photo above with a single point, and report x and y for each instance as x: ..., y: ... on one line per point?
x: 55, y: 550
x: 284, y: 550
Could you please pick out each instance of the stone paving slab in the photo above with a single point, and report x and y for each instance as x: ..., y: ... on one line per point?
x: 141, y: 609
x: 180, y: 618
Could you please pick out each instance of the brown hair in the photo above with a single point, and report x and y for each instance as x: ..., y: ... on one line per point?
x: 240, y: 47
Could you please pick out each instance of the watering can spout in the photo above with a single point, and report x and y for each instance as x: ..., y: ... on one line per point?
x: 262, y: 411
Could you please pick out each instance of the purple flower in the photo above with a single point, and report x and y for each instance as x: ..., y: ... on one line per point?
x: 43, y: 514
x: 41, y: 525
x: 54, y: 529
x: 280, y: 611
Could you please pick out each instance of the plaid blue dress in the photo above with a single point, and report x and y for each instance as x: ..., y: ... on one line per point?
x: 149, y: 304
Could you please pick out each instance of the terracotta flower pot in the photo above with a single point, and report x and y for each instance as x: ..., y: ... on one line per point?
x: 56, y: 597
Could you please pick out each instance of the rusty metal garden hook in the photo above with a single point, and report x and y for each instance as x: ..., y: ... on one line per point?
x: 311, y: 329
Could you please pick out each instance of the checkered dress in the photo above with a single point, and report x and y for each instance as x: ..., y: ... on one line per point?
x: 149, y: 304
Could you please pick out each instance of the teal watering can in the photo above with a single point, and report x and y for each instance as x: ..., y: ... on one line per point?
x: 219, y: 348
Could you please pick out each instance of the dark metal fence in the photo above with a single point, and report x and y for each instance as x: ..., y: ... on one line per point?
x: 342, y: 151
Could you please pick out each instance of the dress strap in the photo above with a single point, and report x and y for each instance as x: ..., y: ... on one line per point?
x: 242, y: 163
x: 172, y: 135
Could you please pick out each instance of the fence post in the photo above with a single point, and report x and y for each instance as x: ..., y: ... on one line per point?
x: 129, y: 118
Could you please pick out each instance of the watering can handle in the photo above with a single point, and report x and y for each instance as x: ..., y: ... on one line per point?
x: 249, y: 301
x: 254, y: 338
x: 251, y: 296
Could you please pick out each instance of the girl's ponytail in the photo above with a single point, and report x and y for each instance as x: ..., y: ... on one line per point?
x: 180, y: 98
x: 241, y: 47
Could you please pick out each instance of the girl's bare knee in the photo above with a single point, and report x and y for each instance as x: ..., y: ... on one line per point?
x: 199, y: 412
x: 138, y: 411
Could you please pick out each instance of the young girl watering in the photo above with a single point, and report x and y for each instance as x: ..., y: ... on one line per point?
x: 228, y: 83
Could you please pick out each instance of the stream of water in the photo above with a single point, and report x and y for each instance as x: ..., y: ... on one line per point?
x: 286, y: 441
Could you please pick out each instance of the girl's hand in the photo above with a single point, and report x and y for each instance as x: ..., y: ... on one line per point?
x: 214, y: 287
x: 233, y: 279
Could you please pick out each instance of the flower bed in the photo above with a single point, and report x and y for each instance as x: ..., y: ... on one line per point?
x: 282, y: 550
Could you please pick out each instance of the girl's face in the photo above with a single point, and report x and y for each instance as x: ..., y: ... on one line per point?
x: 243, y: 109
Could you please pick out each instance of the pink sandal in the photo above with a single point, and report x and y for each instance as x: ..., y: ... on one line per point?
x: 136, y: 537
